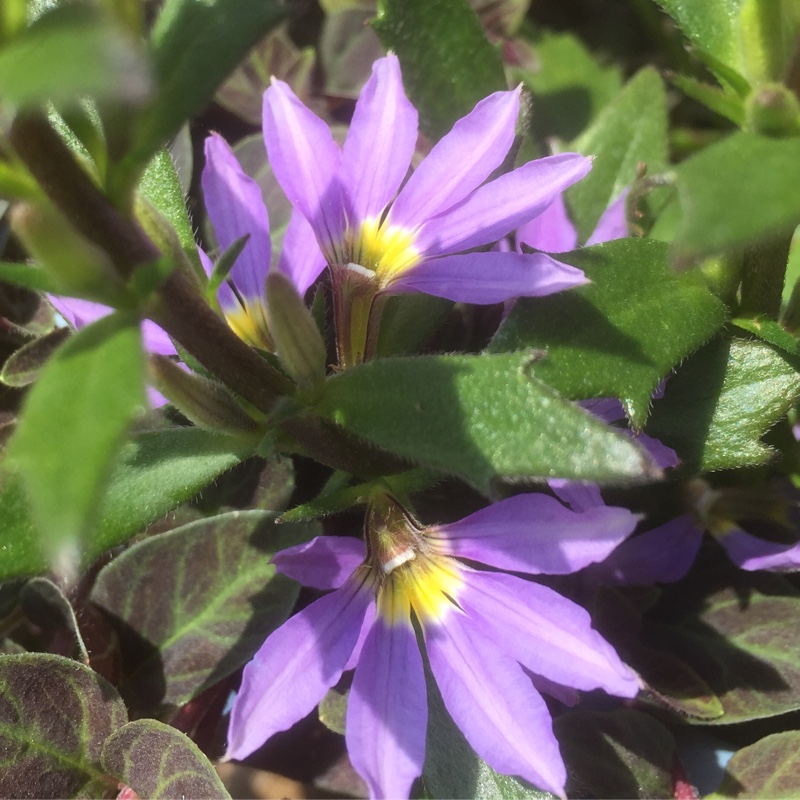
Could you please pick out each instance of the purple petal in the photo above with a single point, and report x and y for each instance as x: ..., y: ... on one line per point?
x: 552, y: 231
x: 484, y: 278
x: 366, y: 627
x: 380, y: 142
x: 608, y: 409
x: 236, y: 208
x: 305, y: 160
x: 156, y: 340
x: 494, y: 703
x: 295, y: 666
x: 387, y: 713
x: 660, y: 555
x: 460, y: 162
x: 564, y: 694
x: 751, y: 553
x: 665, y: 457
x: 612, y: 225
x: 547, y: 633
x: 497, y: 208
x: 534, y: 533
x: 578, y: 496
x: 301, y: 259
x: 78, y: 312
x: 325, y: 562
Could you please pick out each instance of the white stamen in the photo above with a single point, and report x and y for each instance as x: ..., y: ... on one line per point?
x: 365, y: 271
x: 400, y: 559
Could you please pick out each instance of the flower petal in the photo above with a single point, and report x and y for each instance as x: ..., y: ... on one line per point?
x: 660, y: 555
x: 305, y: 160
x: 497, y: 208
x: 325, y: 562
x: 612, y: 224
x: 551, y: 231
x: 236, y: 208
x: 534, y: 533
x: 295, y: 666
x: 578, y: 496
x: 380, y: 142
x: 301, y: 259
x: 460, y: 162
x: 545, y: 632
x: 750, y: 553
x: 494, y: 703
x: 484, y: 278
x: 387, y: 713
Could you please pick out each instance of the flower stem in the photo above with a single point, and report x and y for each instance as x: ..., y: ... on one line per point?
x: 763, y: 273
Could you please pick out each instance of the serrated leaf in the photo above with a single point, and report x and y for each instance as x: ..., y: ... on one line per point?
x: 55, y: 715
x: 153, y: 474
x: 769, y: 331
x: 22, y: 367
x: 722, y: 401
x: 622, y: 753
x: 768, y: 768
x: 630, y: 129
x: 93, y: 57
x: 157, y: 762
x: 638, y: 320
x: 73, y: 423
x: 448, y: 63
x: 738, y: 192
x: 479, y: 417
x: 184, y: 34
x: 202, y: 597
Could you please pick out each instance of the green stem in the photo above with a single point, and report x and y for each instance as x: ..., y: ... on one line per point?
x: 763, y: 274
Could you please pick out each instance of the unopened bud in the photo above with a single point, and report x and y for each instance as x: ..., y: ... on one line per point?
x: 206, y: 403
x: 773, y: 110
x: 298, y: 342
x: 77, y: 266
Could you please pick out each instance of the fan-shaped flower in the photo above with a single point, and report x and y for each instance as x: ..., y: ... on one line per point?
x: 492, y: 639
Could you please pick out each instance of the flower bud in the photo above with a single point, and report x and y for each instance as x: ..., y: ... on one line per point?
x: 298, y: 342
x: 773, y: 110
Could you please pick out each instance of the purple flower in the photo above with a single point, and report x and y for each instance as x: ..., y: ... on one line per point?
x: 412, y: 235
x: 236, y: 208
x: 492, y: 639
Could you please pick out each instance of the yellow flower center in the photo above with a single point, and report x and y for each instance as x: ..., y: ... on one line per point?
x: 387, y: 250
x: 249, y: 322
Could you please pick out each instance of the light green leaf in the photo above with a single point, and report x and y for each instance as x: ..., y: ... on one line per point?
x: 632, y: 128
x: 73, y: 423
x: 159, y: 762
x: 638, y: 320
x: 738, y: 192
x: 482, y: 418
x: 23, y: 366
x: 204, y: 596
x: 448, y: 63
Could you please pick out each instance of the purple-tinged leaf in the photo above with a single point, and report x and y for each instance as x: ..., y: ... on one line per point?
x: 768, y: 768
x: 22, y: 368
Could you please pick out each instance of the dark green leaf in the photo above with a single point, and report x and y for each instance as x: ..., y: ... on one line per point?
x: 186, y: 34
x: 224, y: 265
x: 630, y: 129
x: 22, y: 368
x: 723, y: 399
x: 638, y: 319
x: 158, y: 762
x: 448, y: 64
x: 738, y: 192
x: 196, y: 603
x: 479, y: 417
x: 153, y: 474
x: 92, y: 58
x: 55, y: 715
x: 770, y: 331
x: 768, y: 768
x: 724, y: 103
x: 73, y: 423
x: 622, y: 753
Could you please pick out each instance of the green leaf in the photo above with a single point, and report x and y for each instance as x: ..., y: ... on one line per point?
x: 738, y: 192
x: 224, y: 265
x: 159, y: 762
x: 448, y: 63
x: 630, y: 129
x: 22, y: 367
x: 479, y: 417
x: 153, y: 474
x: 47, y: 607
x: 638, y: 320
x: 711, y: 25
x: 769, y: 331
x: 30, y: 277
x: 55, y: 715
x: 622, y: 753
x: 570, y: 86
x: 722, y: 401
x: 768, y: 768
x: 92, y: 58
x: 724, y: 103
x: 73, y: 423
x: 202, y: 597
x: 195, y: 44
